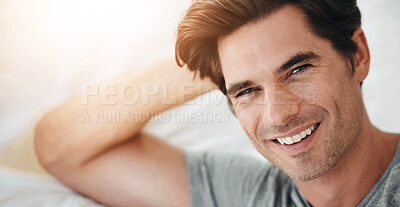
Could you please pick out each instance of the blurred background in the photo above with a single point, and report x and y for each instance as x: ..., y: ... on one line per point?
x: 51, y: 49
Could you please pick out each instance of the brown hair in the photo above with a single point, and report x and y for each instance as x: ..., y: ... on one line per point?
x: 206, y: 21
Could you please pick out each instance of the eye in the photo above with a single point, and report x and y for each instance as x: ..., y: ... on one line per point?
x: 247, y: 91
x: 298, y: 70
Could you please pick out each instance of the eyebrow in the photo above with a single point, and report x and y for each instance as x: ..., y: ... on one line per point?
x: 298, y: 58
x: 234, y: 88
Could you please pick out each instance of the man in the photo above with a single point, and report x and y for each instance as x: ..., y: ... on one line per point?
x: 263, y: 55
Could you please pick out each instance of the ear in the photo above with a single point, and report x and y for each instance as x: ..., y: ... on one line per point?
x: 361, y: 56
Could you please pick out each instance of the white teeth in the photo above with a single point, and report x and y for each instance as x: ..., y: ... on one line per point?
x: 289, y: 140
x: 298, y: 137
x: 308, y: 131
x: 280, y: 141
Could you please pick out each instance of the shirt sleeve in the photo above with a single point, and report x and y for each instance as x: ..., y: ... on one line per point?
x: 224, y: 179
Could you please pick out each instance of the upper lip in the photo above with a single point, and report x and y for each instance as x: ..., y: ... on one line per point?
x: 293, y: 132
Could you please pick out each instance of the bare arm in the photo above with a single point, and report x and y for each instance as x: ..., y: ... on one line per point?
x: 111, y: 160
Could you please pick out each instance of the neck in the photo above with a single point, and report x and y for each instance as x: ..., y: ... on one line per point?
x: 356, y: 173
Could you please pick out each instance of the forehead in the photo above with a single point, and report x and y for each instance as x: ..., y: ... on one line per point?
x: 261, y: 47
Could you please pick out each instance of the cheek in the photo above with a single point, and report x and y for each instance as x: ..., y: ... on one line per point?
x: 249, y: 118
x: 324, y: 94
x: 333, y: 94
x: 303, y: 92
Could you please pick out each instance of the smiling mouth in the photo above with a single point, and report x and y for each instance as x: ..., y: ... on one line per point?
x: 298, y: 137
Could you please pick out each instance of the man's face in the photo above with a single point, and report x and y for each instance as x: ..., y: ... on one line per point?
x: 283, y: 81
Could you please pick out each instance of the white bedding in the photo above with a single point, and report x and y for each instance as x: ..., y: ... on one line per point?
x: 27, y: 190
x: 49, y: 50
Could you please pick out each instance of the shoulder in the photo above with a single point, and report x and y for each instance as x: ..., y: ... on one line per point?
x: 231, y: 179
x: 388, y: 190
x: 225, y: 163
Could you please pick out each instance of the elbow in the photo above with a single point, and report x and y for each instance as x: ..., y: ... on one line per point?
x: 45, y: 143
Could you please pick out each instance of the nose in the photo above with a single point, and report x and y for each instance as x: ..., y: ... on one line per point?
x: 280, y: 105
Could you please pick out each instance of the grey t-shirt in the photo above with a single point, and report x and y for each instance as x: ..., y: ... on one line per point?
x: 228, y: 180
